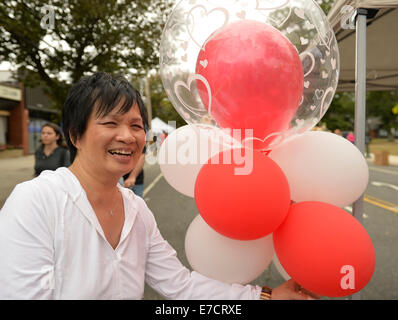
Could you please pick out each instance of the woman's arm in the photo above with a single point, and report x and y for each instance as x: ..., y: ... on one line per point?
x: 26, y: 245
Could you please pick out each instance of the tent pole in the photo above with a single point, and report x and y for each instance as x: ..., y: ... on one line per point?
x: 360, y: 102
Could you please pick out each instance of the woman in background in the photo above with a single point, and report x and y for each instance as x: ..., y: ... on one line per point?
x: 53, y: 152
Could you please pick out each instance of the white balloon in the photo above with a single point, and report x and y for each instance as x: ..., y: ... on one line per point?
x: 186, y: 150
x: 322, y: 166
x: 279, y: 267
x: 225, y: 259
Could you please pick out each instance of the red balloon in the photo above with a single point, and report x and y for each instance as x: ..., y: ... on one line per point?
x: 325, y: 249
x: 242, y: 207
x: 255, y: 75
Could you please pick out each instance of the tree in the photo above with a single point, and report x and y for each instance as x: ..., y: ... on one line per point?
x: 326, y: 5
x: 55, y: 45
x: 340, y: 114
x: 381, y: 104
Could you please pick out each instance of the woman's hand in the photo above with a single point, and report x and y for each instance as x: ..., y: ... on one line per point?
x: 130, y: 182
x: 290, y: 290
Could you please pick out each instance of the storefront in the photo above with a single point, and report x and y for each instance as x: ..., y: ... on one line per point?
x: 13, y: 118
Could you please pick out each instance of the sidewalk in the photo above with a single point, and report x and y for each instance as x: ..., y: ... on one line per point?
x: 12, y: 172
x: 392, y: 160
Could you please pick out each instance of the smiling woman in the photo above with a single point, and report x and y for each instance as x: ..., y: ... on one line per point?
x: 74, y: 233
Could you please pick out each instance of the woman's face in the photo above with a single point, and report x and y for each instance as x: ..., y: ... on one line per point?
x: 113, y: 143
x: 48, y: 135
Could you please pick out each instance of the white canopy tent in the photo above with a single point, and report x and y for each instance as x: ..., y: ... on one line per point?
x: 381, y: 39
x: 158, y: 126
x: 368, y: 57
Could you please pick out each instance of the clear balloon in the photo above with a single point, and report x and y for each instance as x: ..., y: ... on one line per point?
x: 225, y: 259
x: 193, y: 25
x: 259, y: 87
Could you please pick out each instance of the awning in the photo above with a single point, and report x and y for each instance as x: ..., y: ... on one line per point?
x: 382, y: 44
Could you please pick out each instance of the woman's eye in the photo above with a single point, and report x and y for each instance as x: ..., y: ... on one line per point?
x: 137, y: 126
x: 109, y: 123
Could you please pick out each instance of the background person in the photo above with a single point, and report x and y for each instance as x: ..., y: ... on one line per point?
x: 351, y: 137
x: 53, y: 152
x: 135, y: 179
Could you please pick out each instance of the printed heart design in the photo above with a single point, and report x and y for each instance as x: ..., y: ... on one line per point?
x: 185, y: 45
x: 312, y: 107
x: 205, y: 14
x: 204, y: 63
x: 333, y: 63
x: 278, y: 23
x: 299, y: 122
x: 319, y: 93
x: 324, y: 75
x: 277, y: 138
x: 323, y: 108
x: 303, y: 41
x: 323, y: 61
x: 241, y: 15
x: 299, y: 13
x: 306, y: 84
x: 194, y: 109
x: 311, y: 56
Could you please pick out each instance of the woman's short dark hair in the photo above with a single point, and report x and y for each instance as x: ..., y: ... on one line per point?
x: 101, y: 91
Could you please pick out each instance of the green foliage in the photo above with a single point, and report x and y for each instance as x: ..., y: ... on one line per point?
x: 341, y: 113
x: 161, y: 106
x: 116, y: 36
x: 381, y: 104
x: 325, y: 5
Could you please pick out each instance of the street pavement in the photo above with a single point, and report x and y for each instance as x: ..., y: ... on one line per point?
x: 174, y: 212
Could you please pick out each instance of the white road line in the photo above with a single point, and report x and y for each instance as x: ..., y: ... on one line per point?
x: 384, y: 170
x: 383, y: 184
x: 147, y: 189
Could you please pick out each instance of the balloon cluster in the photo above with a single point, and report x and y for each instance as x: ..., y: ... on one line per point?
x: 265, y: 75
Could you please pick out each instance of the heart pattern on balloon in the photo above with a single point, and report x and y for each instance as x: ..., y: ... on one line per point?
x: 201, y: 43
x: 187, y: 86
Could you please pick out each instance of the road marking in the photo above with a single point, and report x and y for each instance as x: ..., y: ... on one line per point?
x: 384, y: 170
x: 381, y: 203
x: 383, y: 184
x: 147, y: 189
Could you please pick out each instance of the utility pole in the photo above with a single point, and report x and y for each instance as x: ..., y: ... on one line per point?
x: 148, y: 101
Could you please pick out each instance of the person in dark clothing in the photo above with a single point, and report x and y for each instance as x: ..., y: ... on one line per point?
x: 134, y: 180
x: 53, y: 152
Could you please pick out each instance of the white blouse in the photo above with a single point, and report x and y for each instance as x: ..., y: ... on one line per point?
x: 53, y: 247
